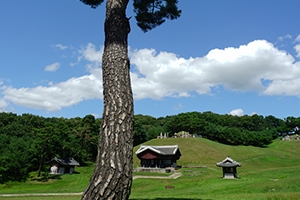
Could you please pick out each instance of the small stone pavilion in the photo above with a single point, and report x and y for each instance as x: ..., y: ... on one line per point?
x: 229, y: 167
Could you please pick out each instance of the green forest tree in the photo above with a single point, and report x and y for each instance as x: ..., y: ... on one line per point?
x: 112, y: 176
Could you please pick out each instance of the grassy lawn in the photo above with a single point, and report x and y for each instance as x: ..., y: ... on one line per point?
x: 54, y: 184
x: 266, y: 173
x: 206, y: 184
x: 74, y: 197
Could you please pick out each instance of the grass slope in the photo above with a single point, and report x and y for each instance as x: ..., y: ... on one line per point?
x: 266, y: 173
x: 198, y: 151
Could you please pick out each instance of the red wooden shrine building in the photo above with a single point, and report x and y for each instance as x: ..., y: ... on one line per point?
x: 158, y: 156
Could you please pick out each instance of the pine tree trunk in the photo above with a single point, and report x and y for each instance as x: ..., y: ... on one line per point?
x: 112, y: 175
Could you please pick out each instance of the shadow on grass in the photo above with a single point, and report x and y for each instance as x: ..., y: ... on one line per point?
x: 86, y: 164
x: 171, y: 199
x: 46, y: 178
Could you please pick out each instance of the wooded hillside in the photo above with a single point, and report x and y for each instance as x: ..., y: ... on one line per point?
x: 28, y: 142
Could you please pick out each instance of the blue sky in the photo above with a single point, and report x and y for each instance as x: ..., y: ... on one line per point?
x: 229, y: 57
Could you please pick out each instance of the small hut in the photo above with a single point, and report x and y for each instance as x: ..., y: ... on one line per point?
x: 63, y: 166
x: 229, y: 167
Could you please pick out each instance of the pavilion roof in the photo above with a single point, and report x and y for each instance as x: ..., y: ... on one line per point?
x: 162, y: 150
x: 228, y: 162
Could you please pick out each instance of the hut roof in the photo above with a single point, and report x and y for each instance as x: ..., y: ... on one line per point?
x: 228, y: 162
x: 66, y: 161
x: 162, y: 150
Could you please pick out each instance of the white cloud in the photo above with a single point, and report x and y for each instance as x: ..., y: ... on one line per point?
x: 297, y: 39
x: 253, y: 113
x: 3, y: 105
x: 91, y: 54
x: 284, y: 87
x: 63, y: 94
x: 245, y: 68
x: 287, y: 36
x: 297, y: 49
x: 60, y: 46
x: 257, y: 66
x: 165, y: 74
x: 237, y: 112
x: 178, y: 107
x: 53, y: 67
x: 56, y: 96
x: 72, y: 64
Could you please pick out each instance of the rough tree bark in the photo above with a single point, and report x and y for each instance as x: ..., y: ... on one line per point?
x: 112, y: 177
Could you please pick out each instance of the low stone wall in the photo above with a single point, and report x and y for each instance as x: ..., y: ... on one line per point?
x: 152, y: 169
